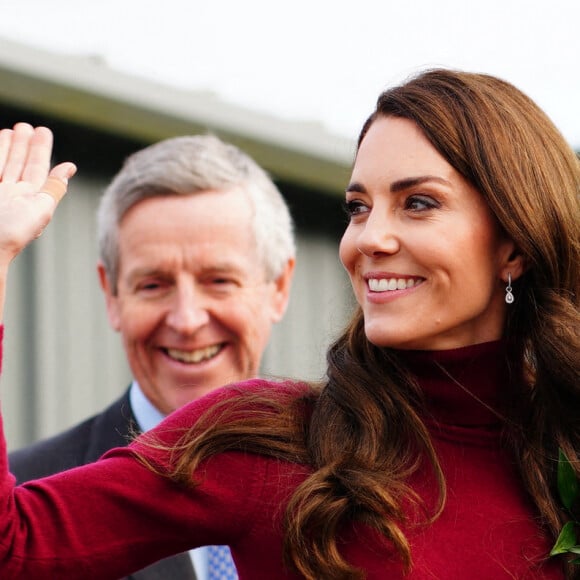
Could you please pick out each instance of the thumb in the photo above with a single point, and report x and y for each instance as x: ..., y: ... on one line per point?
x: 57, y: 181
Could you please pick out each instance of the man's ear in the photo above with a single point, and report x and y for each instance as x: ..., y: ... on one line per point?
x: 282, y: 291
x: 111, y: 299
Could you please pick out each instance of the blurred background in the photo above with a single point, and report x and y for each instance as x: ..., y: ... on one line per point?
x: 290, y: 83
x: 316, y: 60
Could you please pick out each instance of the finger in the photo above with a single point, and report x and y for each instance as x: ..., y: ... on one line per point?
x: 37, y: 163
x: 18, y: 153
x: 64, y: 171
x: 57, y: 182
x: 55, y: 187
x: 5, y: 141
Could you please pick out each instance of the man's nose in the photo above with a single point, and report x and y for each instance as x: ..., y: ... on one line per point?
x: 188, y: 311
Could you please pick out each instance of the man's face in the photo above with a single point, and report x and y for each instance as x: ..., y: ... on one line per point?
x: 193, y: 304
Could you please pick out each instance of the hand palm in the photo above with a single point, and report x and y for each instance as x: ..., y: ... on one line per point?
x: 24, y: 213
x: 29, y: 192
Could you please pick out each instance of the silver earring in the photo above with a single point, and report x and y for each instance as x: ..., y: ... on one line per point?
x: 509, y: 297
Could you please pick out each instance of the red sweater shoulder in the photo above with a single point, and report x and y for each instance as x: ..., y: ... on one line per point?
x: 247, y: 399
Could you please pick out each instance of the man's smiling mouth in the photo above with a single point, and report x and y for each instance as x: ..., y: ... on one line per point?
x: 194, y: 356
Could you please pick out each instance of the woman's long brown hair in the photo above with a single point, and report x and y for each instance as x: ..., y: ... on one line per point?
x: 504, y: 145
x: 361, y: 432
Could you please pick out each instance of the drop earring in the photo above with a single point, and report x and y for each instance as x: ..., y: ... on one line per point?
x: 509, y: 297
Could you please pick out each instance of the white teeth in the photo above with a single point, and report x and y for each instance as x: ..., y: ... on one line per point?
x: 388, y: 284
x: 194, y: 356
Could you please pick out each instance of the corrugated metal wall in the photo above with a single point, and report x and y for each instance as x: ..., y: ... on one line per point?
x: 62, y: 363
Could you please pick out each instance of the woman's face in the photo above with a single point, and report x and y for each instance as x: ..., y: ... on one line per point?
x: 426, y: 258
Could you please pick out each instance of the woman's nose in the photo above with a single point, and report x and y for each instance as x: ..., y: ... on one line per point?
x: 378, y: 236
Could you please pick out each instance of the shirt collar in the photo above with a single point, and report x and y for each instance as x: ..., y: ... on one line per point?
x: 146, y: 414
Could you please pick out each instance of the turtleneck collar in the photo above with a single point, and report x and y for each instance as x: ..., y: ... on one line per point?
x: 463, y: 386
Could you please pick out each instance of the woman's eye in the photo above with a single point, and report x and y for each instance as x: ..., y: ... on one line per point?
x: 420, y: 203
x: 354, y: 207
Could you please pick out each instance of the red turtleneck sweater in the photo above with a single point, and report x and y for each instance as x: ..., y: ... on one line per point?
x: 115, y: 516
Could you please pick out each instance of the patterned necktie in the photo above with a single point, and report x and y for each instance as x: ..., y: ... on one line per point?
x: 220, y: 564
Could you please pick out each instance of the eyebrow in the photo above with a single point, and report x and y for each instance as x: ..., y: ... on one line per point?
x: 401, y: 184
x: 217, y: 268
x: 139, y: 273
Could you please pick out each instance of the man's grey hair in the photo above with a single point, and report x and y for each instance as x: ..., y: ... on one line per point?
x: 186, y: 166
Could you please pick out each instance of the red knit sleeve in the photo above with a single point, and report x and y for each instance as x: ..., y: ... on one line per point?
x: 112, y: 517
x: 1, y: 345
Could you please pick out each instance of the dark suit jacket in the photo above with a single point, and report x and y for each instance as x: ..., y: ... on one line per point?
x: 83, y: 444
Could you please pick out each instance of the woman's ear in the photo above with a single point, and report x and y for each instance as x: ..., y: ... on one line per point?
x: 513, y: 264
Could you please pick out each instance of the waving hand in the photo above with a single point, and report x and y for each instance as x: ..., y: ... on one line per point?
x: 29, y: 189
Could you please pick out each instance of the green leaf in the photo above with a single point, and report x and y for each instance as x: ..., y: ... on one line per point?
x: 566, y: 540
x: 574, y: 549
x: 568, y: 485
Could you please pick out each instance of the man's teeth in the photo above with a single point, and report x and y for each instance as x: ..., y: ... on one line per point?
x: 386, y: 284
x: 194, y: 356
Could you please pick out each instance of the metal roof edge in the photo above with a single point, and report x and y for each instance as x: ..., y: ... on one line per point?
x: 84, y: 90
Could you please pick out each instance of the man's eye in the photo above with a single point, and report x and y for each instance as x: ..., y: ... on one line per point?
x: 354, y: 207
x: 149, y: 286
x: 223, y: 282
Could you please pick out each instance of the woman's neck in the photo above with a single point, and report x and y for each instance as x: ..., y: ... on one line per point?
x: 463, y: 386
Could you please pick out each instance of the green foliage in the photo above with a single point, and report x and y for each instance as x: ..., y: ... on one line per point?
x: 569, y: 490
x: 568, y: 485
x: 566, y: 541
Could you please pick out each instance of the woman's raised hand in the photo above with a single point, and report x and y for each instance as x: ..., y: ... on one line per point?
x: 29, y: 189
